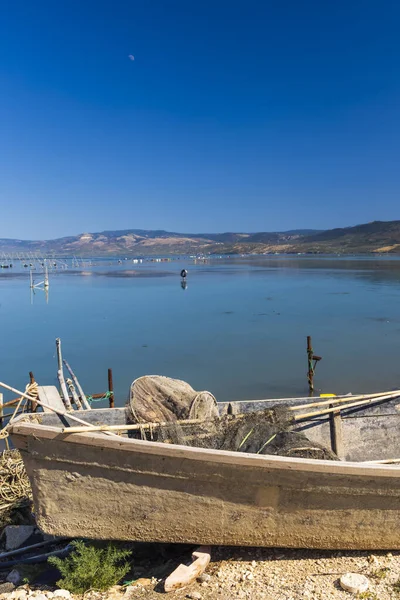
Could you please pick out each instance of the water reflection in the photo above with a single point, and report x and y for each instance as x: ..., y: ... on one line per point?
x: 240, y: 332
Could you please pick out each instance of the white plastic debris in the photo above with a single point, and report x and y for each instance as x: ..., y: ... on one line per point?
x: 354, y: 583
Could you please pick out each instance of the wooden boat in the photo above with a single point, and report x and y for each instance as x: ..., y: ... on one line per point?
x: 94, y: 485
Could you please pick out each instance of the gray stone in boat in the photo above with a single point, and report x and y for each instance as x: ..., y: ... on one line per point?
x: 108, y: 487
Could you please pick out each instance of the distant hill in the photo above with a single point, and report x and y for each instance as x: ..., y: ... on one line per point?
x: 381, y: 237
x: 141, y: 242
x: 378, y: 237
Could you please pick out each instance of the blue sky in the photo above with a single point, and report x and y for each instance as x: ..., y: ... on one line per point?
x: 234, y: 116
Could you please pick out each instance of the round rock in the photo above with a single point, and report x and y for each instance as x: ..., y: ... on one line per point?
x: 62, y: 594
x: 354, y: 583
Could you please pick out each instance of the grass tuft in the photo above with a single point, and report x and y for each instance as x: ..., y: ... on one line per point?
x: 91, y: 567
x: 380, y: 573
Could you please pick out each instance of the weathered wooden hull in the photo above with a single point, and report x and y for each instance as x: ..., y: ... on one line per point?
x: 103, y: 487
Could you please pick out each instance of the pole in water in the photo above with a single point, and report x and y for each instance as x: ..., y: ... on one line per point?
x: 110, y: 389
x: 46, y: 277
x: 33, y: 405
x: 312, y: 362
x: 59, y: 356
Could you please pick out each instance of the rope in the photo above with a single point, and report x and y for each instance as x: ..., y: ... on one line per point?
x: 14, y: 483
x: 106, y: 396
x: 32, y: 390
x: 15, y: 488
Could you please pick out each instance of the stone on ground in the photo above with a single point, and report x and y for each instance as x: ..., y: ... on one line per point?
x: 19, y: 594
x: 17, y: 535
x: 62, y: 594
x: 354, y: 583
x: 14, y: 577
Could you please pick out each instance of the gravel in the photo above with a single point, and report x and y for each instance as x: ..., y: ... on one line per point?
x: 276, y: 574
x: 270, y: 574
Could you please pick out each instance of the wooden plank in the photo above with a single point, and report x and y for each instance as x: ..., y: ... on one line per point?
x: 50, y: 396
x: 337, y: 434
x: 130, y: 427
x: 29, y: 430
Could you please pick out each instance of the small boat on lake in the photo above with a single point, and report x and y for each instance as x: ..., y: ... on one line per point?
x: 100, y: 482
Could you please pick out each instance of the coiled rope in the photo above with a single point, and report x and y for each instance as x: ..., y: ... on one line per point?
x: 15, y: 489
x: 32, y: 389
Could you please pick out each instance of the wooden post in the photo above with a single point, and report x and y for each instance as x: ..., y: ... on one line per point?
x: 60, y: 375
x: 312, y: 361
x: 110, y: 388
x: 78, y: 386
x: 74, y: 395
x: 310, y: 372
x: 336, y: 433
x: 32, y: 406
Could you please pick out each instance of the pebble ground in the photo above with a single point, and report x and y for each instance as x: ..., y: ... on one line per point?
x: 266, y: 574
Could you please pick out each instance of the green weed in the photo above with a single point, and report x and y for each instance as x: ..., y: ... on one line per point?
x: 380, y: 573
x: 91, y: 567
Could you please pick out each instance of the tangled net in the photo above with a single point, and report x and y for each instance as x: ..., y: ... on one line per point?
x: 191, y: 418
x: 15, y: 489
x: 263, y: 432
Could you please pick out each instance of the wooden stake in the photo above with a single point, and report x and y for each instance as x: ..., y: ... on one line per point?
x: 110, y: 388
x: 312, y: 362
x: 60, y: 375
x: 32, y: 407
x: 74, y: 395
x: 78, y: 386
x: 337, y: 433
x: 310, y: 373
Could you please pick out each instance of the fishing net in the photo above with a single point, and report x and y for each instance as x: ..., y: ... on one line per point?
x: 157, y: 398
x: 263, y: 432
x: 255, y: 433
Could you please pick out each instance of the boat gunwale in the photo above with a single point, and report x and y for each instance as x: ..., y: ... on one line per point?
x: 24, y: 429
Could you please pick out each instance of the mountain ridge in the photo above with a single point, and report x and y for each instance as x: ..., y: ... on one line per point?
x: 382, y: 237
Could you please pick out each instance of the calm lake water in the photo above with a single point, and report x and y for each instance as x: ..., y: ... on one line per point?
x: 239, y: 328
